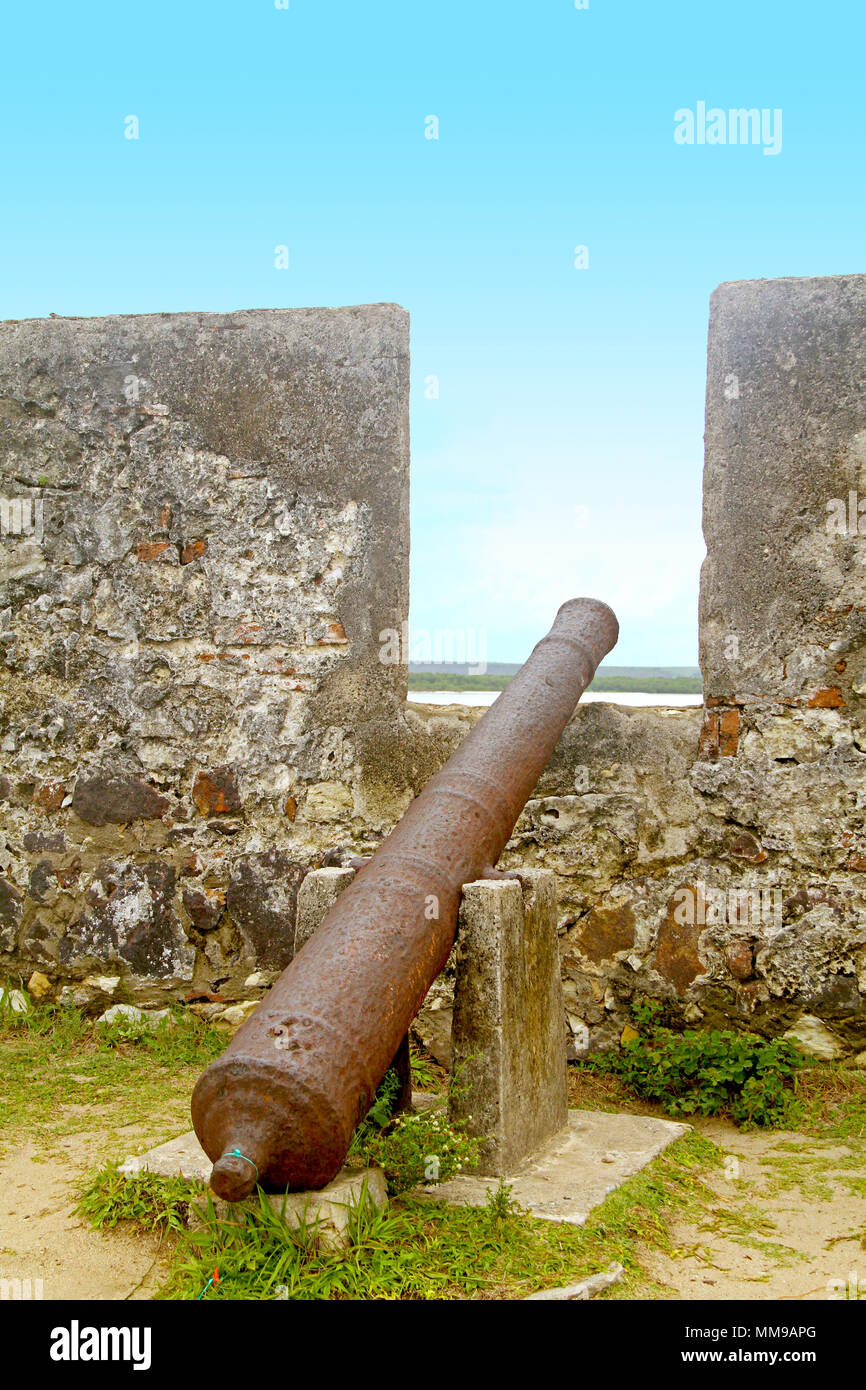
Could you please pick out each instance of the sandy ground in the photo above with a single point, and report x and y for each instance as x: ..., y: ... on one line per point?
x: 762, y: 1240
x: 766, y: 1240
x: 42, y: 1238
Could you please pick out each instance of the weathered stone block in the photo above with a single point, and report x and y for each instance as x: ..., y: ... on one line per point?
x: 432, y: 1025
x: 134, y: 1018
x: 115, y: 800
x: 231, y: 484
x: 261, y: 900
x: 129, y: 921
x: 810, y: 1036
x: 216, y: 793
x: 11, y: 898
x: 316, y: 896
x: 508, y: 1037
x: 782, y: 591
x: 575, y: 1170
x: 677, y: 957
x: 38, y: 986
x: 328, y: 802
x: 607, y: 930
x: 205, y: 906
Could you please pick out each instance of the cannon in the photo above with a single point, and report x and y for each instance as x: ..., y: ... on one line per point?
x: 281, y: 1104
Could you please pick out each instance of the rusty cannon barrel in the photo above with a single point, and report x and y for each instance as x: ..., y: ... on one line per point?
x: 281, y: 1104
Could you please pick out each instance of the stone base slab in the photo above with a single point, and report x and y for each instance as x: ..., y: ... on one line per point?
x: 574, y: 1171
x: 328, y: 1210
x: 183, y: 1157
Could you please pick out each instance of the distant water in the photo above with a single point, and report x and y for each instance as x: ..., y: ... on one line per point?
x: 605, y: 697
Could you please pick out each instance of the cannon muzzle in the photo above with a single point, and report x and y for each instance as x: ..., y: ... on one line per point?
x: 279, y: 1107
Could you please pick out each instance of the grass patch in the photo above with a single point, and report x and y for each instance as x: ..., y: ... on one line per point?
x: 804, y: 1174
x: 427, y: 1074
x: 589, y: 1089
x: 417, y: 1249
x: 832, y: 1102
x: 151, y: 1203
x: 750, y: 1227
x: 421, y: 1249
x: 817, y: 1175
x: 64, y: 1074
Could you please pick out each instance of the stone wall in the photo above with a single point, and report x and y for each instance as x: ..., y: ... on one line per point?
x: 206, y: 530
x: 195, y: 712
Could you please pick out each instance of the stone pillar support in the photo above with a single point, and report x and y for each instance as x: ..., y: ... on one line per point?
x: 508, y: 1035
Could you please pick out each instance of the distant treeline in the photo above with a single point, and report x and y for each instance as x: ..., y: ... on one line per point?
x: 651, y: 685
x: 622, y: 685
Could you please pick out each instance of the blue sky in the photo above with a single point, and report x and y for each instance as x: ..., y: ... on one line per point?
x: 563, y: 454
